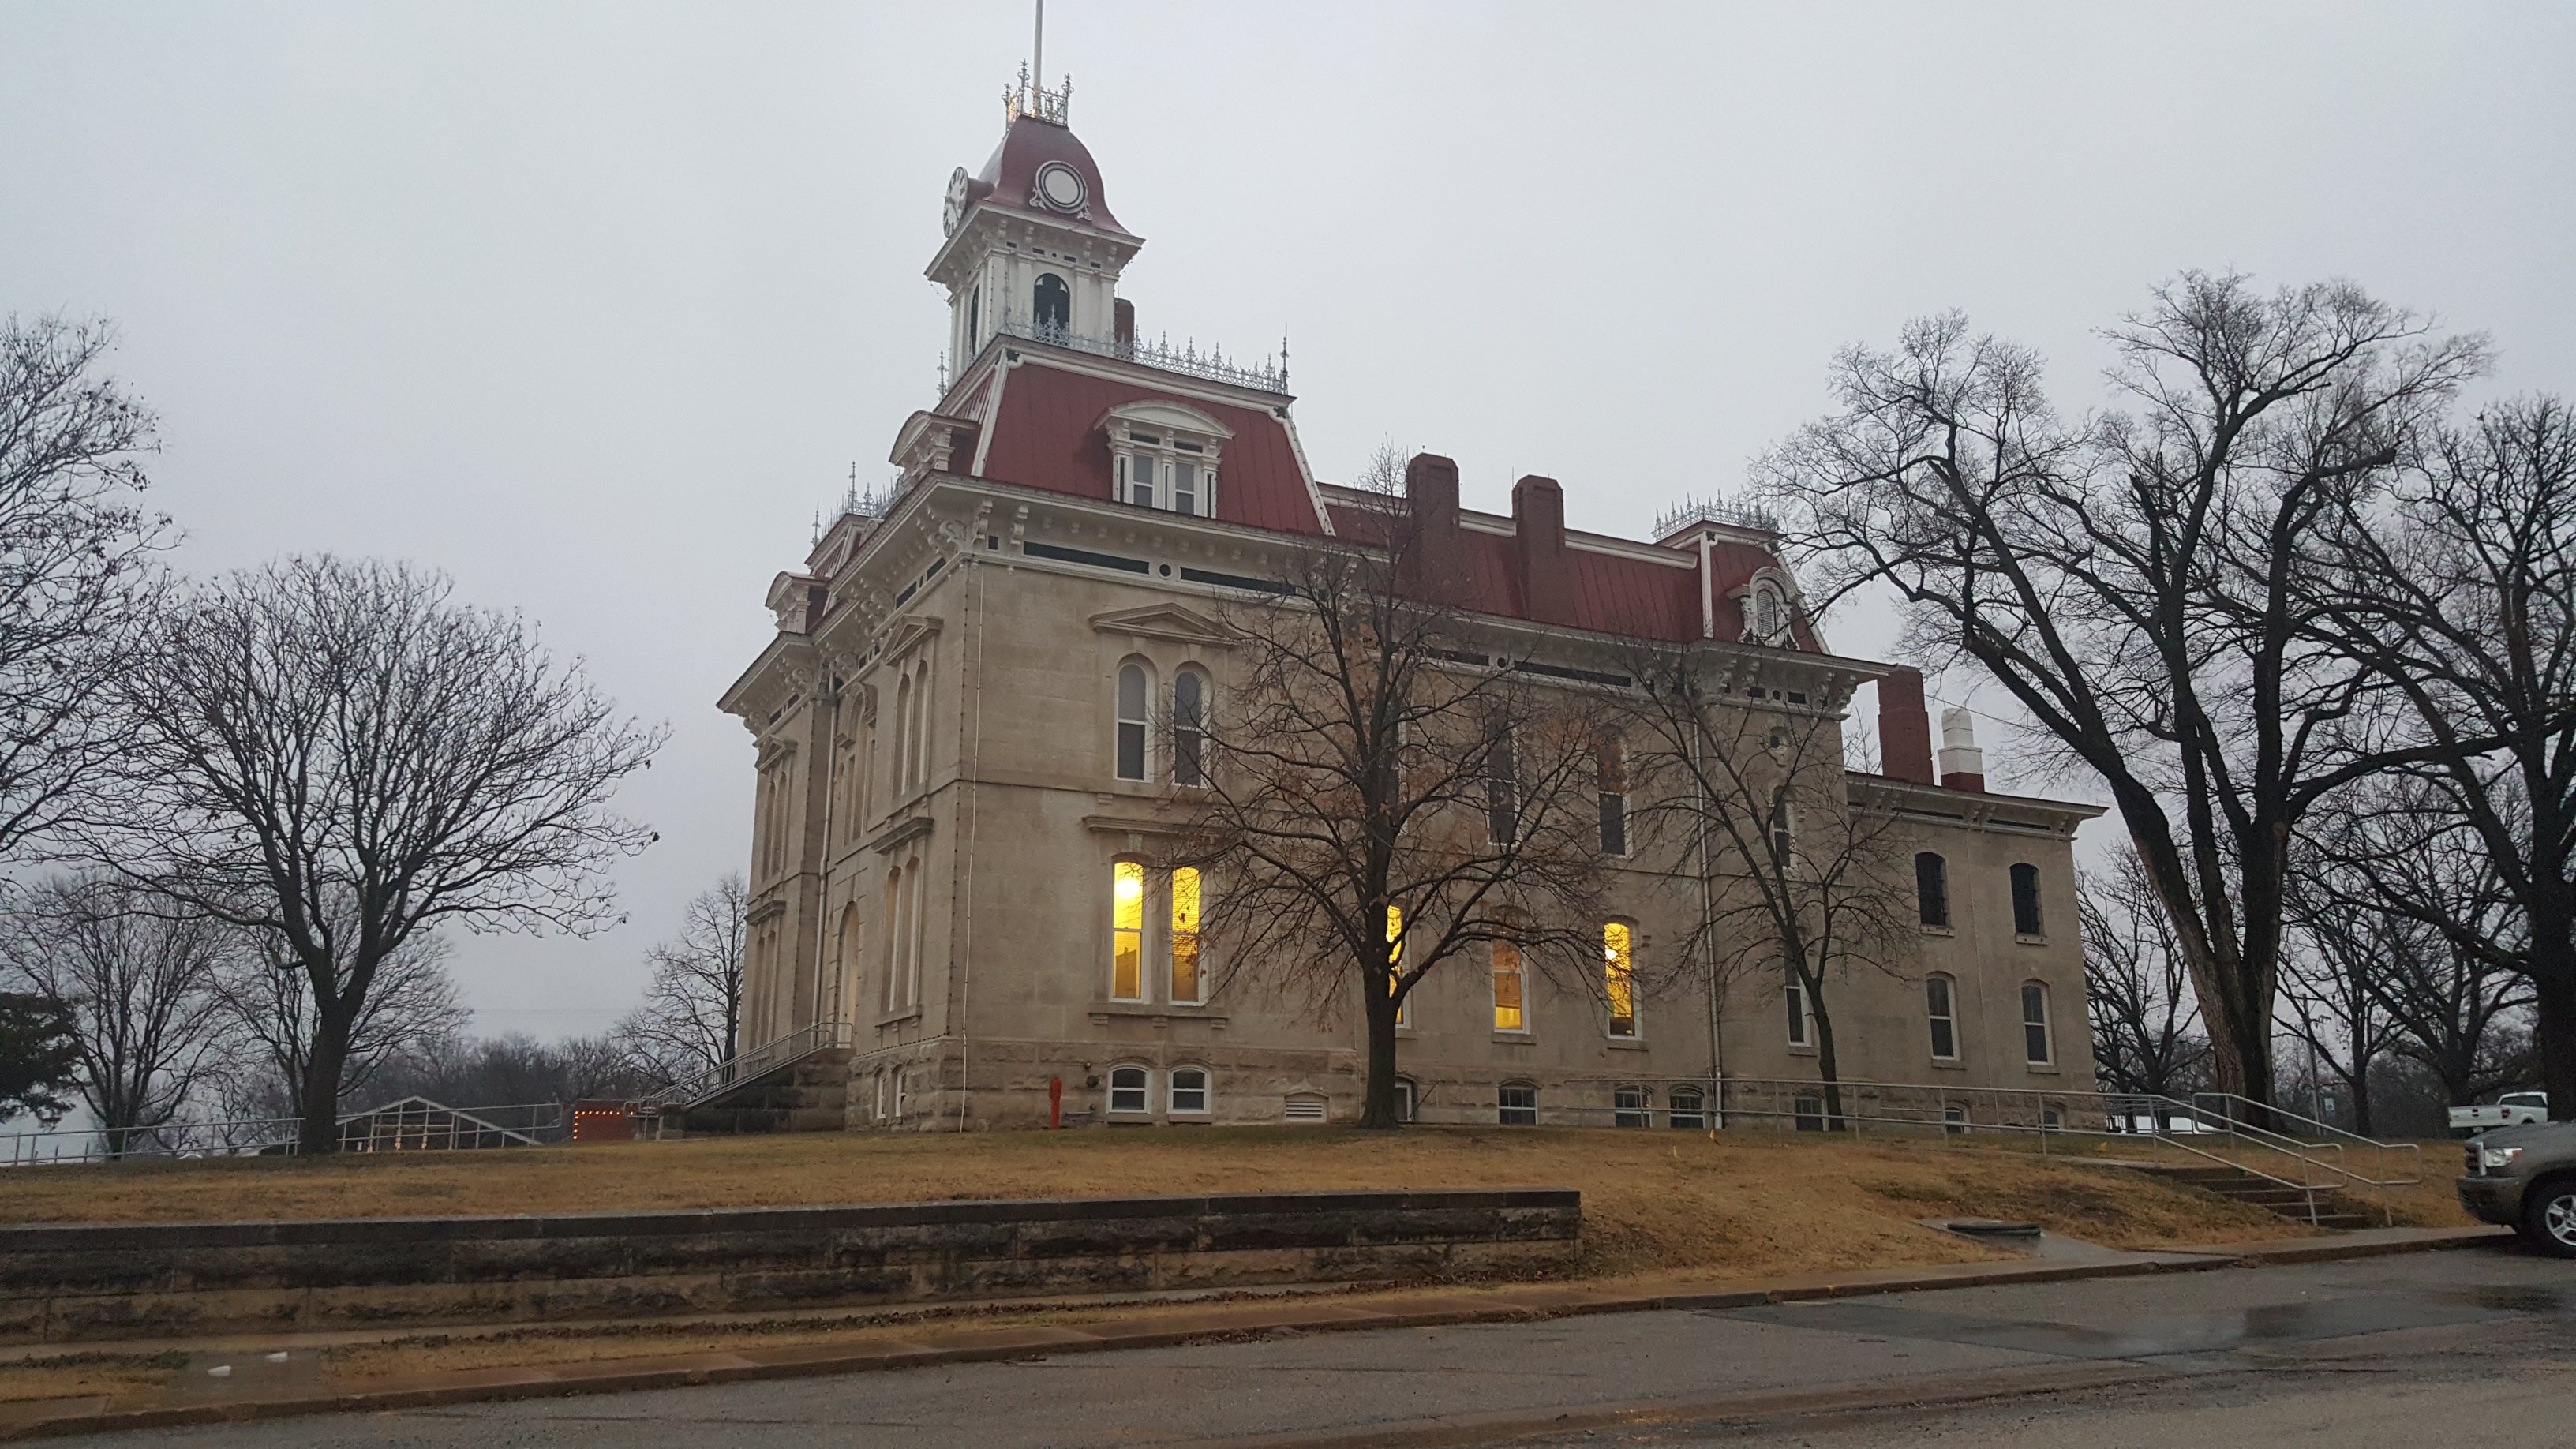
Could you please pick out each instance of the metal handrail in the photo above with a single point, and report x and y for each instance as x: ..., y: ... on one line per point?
x: 767, y: 1057
x: 462, y: 1129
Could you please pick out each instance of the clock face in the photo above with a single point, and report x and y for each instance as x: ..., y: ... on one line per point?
x: 955, y: 212
x: 1060, y: 186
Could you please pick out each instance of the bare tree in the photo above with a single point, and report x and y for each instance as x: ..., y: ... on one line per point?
x: 76, y: 548
x: 1807, y: 863
x: 2136, y: 581
x: 2136, y: 990
x: 1380, y: 796
x: 337, y: 755
x: 2447, y: 940
x: 2331, y: 963
x: 143, y: 985
x: 410, y: 1013
x: 691, y: 1018
x: 2462, y: 598
x: 511, y: 1070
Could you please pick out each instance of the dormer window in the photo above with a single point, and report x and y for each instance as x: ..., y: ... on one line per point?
x: 1163, y: 455
x: 1770, y: 609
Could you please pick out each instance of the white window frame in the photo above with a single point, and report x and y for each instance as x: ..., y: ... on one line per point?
x: 1503, y: 1107
x: 2046, y: 1025
x: 1144, y: 1090
x: 1148, y: 443
x: 1206, y: 1090
x: 1935, y: 1020
x: 1141, y: 722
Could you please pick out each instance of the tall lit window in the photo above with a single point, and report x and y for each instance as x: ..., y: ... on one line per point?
x: 2034, y: 1024
x: 1800, y: 1023
x: 1131, y: 722
x: 2025, y: 897
x: 1945, y: 1021
x: 1127, y: 931
x: 1395, y: 960
x: 1611, y: 773
x: 1189, y: 728
x: 1932, y: 889
x: 1186, y: 985
x: 1507, y: 988
x: 1619, y: 978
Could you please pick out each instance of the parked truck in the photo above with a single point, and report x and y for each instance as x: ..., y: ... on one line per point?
x: 2513, y: 1109
x: 2525, y: 1177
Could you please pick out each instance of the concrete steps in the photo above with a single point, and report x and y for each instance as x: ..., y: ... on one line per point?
x: 810, y: 1094
x: 2333, y: 1208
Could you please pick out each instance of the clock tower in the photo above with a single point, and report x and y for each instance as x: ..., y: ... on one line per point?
x: 1032, y: 249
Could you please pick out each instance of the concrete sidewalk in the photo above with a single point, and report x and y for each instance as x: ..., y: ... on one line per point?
x: 256, y: 1389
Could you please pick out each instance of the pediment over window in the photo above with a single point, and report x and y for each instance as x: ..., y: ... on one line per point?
x: 1169, y: 416
x: 1162, y: 621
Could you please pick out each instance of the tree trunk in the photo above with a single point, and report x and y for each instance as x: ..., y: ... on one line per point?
x: 320, y: 1090
x: 2554, y: 1003
x: 1826, y: 1070
x: 1377, y: 1109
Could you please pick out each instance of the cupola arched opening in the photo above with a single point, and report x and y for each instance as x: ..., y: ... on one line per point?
x: 1053, y: 305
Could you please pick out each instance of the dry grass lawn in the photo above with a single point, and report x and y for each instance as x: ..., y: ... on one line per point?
x: 1653, y: 1201
x: 1738, y: 1205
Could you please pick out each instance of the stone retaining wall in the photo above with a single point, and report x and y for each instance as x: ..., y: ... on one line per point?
x: 68, y: 1282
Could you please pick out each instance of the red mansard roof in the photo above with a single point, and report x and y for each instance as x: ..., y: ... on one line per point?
x: 1045, y: 432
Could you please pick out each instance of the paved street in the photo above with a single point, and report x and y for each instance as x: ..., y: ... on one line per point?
x: 2400, y: 1350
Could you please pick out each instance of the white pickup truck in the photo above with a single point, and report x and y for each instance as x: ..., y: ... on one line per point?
x: 2513, y: 1109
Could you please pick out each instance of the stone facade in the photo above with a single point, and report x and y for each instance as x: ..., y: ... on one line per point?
x: 944, y: 793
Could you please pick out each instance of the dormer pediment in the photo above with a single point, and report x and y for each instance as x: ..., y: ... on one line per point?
x: 1170, y: 417
x: 1162, y: 621
x: 928, y: 441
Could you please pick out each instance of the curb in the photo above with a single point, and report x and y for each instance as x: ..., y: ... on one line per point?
x: 52, y: 1418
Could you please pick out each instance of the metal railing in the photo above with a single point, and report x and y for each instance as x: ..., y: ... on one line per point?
x: 2392, y: 1164
x: 1265, y: 376
x: 2317, y: 1171
x: 398, y: 1128
x: 742, y: 1067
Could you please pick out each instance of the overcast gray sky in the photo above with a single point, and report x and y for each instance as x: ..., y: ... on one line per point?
x: 592, y: 305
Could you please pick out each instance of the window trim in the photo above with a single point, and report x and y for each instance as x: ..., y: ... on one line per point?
x: 1505, y: 1108
x: 1932, y: 890
x: 1619, y: 979
x: 1519, y: 972
x: 1141, y: 722
x: 1195, y: 936
x: 1206, y: 1090
x: 1696, y: 1110
x: 1610, y: 785
x: 1144, y: 1090
x: 2033, y: 925
x: 1632, y: 1104
x: 1121, y: 871
x: 1943, y: 1013
x: 1802, y: 1014
x: 2045, y: 1025
x: 1189, y: 727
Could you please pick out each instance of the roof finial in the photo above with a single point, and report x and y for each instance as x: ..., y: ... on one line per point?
x: 1037, y: 47
x: 1031, y: 97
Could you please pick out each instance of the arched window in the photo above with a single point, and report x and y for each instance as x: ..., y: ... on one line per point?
x: 902, y: 732
x: 1189, y: 728
x: 1054, y: 305
x: 1128, y: 1090
x: 1502, y: 783
x: 1954, y: 1119
x: 1188, y: 986
x: 1688, y: 1107
x: 1131, y: 722
x: 902, y: 1091
x: 1784, y: 835
x: 2036, y: 1040
x: 1769, y: 616
x: 1632, y: 1107
x: 1619, y: 977
x: 1127, y: 931
x: 1932, y: 889
x: 1508, y: 1012
x: 1610, y: 774
x: 1938, y: 992
x: 917, y: 751
x: 1395, y: 960
x: 895, y: 914
x: 2025, y: 897
x: 1802, y: 1022
x: 1516, y: 1104
x: 1189, y: 1090
x: 845, y: 963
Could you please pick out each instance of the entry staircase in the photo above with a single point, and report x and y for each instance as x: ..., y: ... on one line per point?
x: 797, y: 1083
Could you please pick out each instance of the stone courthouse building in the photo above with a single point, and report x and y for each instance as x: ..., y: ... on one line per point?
x: 965, y: 755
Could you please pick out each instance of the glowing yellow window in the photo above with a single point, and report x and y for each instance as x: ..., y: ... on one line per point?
x: 1618, y: 979
x: 1507, y: 987
x: 1395, y: 958
x: 1185, y: 934
x: 1127, y: 931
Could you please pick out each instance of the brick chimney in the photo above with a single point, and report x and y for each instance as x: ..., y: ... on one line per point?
x: 1538, y: 529
x: 1963, y: 765
x: 1904, y: 728
x: 1434, y: 561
